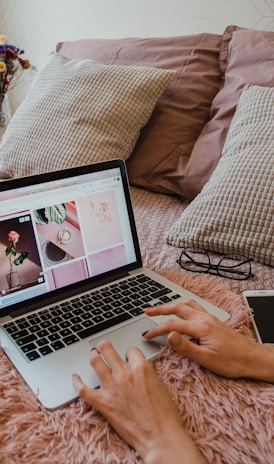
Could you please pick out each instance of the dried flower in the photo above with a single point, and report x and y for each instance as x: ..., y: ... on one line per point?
x: 11, y: 64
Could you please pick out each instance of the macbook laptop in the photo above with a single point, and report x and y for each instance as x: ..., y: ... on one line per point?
x: 71, y: 274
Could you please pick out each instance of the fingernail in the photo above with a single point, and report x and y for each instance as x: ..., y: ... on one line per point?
x: 144, y: 333
x: 146, y: 309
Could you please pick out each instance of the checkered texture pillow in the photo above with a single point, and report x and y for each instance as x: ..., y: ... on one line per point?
x: 234, y: 211
x: 79, y: 112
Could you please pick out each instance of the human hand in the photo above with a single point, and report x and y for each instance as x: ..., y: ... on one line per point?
x: 219, y: 348
x: 137, y: 404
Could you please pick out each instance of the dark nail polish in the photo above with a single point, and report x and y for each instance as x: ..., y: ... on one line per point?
x: 144, y: 333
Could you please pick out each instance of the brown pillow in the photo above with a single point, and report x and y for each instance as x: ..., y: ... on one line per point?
x: 246, y: 56
x: 165, y: 144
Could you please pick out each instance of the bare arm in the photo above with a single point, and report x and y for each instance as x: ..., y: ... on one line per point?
x: 220, y: 348
x: 137, y: 404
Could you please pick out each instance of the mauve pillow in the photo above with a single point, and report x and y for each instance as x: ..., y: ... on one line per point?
x: 162, y: 152
x: 246, y: 56
x: 79, y: 112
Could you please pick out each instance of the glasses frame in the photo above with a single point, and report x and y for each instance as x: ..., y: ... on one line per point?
x: 216, y: 269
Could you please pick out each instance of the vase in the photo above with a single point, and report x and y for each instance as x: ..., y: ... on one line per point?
x: 5, y: 113
x: 13, y: 280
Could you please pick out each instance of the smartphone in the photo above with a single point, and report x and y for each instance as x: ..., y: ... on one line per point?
x: 261, y: 305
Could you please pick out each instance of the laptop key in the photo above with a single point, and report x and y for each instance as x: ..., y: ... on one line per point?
x: 42, y: 333
x: 32, y: 355
x: 159, y: 293
x: 53, y: 329
x: 119, y: 310
x: 25, y: 340
x: 165, y: 299
x: 57, y: 345
x: 56, y: 320
x: 67, y: 315
x: 11, y: 329
x: 23, y: 324
x: 34, y: 328
x: 87, y: 315
x: 20, y: 334
x: 71, y: 339
x: 45, y: 350
x: 65, y: 332
x: 75, y: 320
x: 136, y: 311
x: 98, y: 319
x: 54, y: 337
x: 103, y: 325
x: 42, y: 342
x: 45, y: 324
x: 29, y: 347
x: 64, y: 324
x: 108, y: 314
x: 88, y: 323
x: 77, y: 327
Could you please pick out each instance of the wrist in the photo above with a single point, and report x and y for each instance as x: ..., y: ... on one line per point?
x: 260, y: 365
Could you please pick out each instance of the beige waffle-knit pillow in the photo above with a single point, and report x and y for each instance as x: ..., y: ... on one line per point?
x: 78, y: 112
x: 234, y: 213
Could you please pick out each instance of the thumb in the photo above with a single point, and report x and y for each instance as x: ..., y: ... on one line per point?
x: 183, y: 345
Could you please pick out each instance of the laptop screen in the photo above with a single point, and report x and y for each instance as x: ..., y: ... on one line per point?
x: 62, y: 229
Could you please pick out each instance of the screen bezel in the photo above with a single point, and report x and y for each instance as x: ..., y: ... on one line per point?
x: 91, y: 282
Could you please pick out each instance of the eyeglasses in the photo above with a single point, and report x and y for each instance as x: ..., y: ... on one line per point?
x: 231, y: 267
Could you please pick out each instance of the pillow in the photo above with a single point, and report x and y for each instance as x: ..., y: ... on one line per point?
x: 79, y: 112
x: 165, y: 144
x: 246, y: 56
x: 234, y: 212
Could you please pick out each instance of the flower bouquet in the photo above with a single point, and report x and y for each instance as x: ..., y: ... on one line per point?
x: 11, y: 66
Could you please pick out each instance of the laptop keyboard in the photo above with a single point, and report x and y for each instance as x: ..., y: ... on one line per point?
x: 69, y: 322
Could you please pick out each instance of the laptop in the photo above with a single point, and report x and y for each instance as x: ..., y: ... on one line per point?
x: 71, y: 274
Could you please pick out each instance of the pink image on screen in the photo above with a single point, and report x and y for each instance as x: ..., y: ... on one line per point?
x: 107, y: 260
x: 68, y: 274
x: 100, y: 221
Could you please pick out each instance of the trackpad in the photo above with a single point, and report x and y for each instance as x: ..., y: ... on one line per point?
x: 131, y: 335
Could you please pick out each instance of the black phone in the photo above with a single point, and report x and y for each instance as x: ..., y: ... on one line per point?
x: 261, y: 305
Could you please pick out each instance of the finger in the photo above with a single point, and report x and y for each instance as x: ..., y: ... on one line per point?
x: 109, y: 354
x: 164, y: 328
x: 187, y: 348
x: 134, y: 354
x: 193, y: 327
x: 100, y: 366
x: 183, y: 309
x: 87, y: 394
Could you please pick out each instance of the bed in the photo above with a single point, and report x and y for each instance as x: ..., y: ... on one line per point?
x: 199, y: 153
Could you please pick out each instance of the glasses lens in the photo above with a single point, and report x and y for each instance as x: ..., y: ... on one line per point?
x: 235, y: 267
x: 194, y: 259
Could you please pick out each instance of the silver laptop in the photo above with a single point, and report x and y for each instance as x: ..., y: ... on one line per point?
x: 71, y: 274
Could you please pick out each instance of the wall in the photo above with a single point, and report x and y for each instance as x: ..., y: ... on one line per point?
x: 37, y: 25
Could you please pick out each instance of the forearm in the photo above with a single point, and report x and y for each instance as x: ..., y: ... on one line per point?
x: 178, y: 449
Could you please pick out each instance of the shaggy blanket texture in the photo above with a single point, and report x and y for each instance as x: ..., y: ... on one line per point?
x: 231, y: 421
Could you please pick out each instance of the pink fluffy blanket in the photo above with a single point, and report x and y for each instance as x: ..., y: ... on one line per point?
x: 231, y: 421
